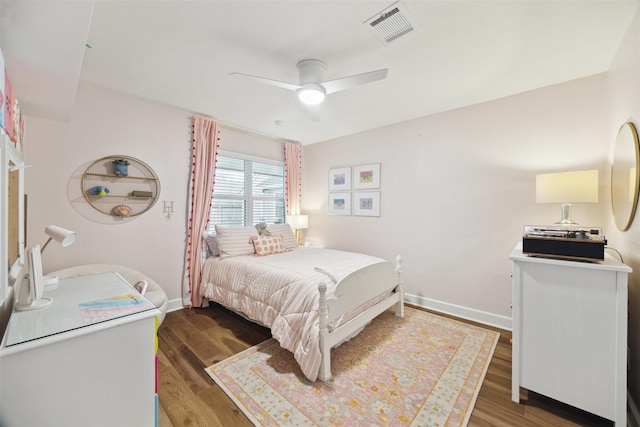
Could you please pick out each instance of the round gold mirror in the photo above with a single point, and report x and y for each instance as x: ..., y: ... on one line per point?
x: 625, y: 175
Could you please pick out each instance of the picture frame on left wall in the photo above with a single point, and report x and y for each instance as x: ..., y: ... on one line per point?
x: 339, y: 203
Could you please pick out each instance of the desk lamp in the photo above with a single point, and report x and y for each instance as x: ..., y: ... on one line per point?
x: 566, y: 188
x: 65, y: 238
x: 31, y: 297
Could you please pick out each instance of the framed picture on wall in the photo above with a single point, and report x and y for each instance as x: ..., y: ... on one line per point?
x: 366, y: 177
x: 366, y: 203
x: 339, y: 203
x: 339, y: 179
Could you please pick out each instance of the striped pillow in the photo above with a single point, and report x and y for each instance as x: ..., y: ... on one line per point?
x: 286, y: 232
x: 233, y: 241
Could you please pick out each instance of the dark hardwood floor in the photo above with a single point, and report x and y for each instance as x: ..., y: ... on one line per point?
x: 190, y: 340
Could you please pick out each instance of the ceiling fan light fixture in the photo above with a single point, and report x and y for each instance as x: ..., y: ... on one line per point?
x: 311, y: 95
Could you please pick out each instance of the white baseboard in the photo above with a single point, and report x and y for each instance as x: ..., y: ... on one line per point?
x: 175, y: 305
x: 474, y: 315
x: 633, y: 416
x: 467, y: 313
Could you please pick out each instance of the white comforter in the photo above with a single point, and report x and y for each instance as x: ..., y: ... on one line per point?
x: 281, y: 292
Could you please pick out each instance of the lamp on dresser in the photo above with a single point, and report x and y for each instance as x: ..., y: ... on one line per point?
x: 298, y: 223
x: 566, y: 188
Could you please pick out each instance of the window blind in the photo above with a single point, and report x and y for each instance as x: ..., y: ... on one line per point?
x: 247, y: 192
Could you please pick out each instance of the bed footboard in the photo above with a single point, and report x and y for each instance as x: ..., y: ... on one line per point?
x: 366, y: 285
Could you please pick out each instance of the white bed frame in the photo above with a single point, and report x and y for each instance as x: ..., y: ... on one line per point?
x: 352, y: 291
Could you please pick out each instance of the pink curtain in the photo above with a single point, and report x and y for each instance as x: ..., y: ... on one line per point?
x: 293, y: 176
x: 204, y: 151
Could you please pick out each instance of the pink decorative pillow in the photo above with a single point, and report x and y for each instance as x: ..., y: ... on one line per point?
x: 267, y: 245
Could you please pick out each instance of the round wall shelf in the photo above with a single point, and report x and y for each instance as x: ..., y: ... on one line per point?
x: 117, y: 193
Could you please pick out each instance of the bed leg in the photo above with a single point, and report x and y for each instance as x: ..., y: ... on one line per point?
x: 399, y: 289
x: 325, y: 353
x: 325, y: 367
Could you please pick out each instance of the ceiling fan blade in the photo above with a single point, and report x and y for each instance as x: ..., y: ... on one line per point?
x: 359, y: 79
x: 271, y: 82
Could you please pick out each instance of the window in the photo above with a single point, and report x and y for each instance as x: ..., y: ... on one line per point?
x: 247, y: 192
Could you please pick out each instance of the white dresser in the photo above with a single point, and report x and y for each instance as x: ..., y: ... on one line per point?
x: 88, y: 359
x: 570, y: 332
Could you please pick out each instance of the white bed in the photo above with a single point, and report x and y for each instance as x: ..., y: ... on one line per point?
x: 312, y: 299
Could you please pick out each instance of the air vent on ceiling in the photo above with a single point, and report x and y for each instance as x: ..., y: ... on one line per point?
x: 392, y: 23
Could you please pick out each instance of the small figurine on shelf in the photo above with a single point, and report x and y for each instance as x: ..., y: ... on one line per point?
x: 99, y: 190
x: 121, y: 167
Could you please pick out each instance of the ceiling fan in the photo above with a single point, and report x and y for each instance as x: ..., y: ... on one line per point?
x: 312, y: 87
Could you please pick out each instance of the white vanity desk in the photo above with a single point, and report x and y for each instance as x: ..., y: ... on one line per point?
x: 86, y: 359
x: 570, y: 332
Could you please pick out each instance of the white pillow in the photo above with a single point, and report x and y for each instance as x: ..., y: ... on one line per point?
x: 287, y: 234
x: 234, y: 241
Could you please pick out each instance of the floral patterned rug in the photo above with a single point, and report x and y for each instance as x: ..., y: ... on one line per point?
x: 421, y: 370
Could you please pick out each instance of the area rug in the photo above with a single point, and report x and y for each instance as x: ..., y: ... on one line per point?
x: 420, y: 370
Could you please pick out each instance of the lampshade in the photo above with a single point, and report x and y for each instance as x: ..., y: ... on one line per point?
x: 61, y: 235
x: 567, y: 188
x: 311, y: 94
x: 298, y: 222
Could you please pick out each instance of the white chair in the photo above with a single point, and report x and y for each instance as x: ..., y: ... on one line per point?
x: 154, y: 292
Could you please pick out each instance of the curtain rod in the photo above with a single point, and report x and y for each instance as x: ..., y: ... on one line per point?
x: 244, y: 130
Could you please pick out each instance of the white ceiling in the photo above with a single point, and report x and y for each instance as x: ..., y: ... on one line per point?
x: 180, y: 54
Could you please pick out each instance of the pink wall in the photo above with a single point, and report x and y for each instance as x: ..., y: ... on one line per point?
x: 102, y: 124
x: 458, y: 187
x: 105, y: 123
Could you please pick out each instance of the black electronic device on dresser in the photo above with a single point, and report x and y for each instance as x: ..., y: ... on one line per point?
x: 564, y: 242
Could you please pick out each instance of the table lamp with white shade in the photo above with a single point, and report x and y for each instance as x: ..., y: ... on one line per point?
x: 298, y: 223
x: 567, y: 188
